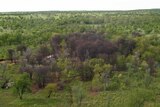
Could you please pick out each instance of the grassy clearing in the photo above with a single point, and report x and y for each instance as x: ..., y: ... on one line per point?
x: 8, y: 99
x: 137, y: 97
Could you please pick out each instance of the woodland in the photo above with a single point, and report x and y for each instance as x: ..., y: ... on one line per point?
x: 80, y: 59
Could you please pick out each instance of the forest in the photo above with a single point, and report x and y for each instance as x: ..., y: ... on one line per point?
x: 80, y: 59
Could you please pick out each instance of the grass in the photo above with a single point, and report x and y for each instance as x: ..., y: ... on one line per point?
x: 5, y: 98
x: 137, y: 97
x: 8, y: 99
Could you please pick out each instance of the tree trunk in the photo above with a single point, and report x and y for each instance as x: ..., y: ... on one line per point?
x: 49, y: 94
x: 20, y: 96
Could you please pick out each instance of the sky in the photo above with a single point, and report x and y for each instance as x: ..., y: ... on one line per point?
x: 66, y: 5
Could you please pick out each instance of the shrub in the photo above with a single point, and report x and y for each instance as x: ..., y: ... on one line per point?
x: 22, y: 84
x: 78, y: 94
x: 50, y: 88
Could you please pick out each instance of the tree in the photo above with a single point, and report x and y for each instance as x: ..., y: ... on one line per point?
x: 79, y: 93
x: 41, y: 75
x: 28, y: 69
x: 125, y: 46
x: 101, y: 69
x: 4, y: 76
x: 65, y: 66
x: 11, y: 53
x: 28, y: 53
x: 50, y: 88
x: 86, y: 72
x: 42, y: 52
x: 55, y: 43
x: 22, y: 48
x: 90, y: 45
x: 22, y: 85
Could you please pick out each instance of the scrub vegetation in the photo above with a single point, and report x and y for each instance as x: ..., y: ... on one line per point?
x: 80, y: 59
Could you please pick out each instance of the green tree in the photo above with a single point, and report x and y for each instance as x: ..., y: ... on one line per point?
x: 22, y: 85
x: 11, y: 54
x: 104, y: 72
x: 50, y: 88
x: 4, y: 76
x: 79, y: 93
x: 21, y: 48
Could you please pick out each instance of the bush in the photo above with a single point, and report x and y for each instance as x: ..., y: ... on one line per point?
x: 78, y: 94
x: 22, y: 84
x: 113, y: 86
x: 50, y: 88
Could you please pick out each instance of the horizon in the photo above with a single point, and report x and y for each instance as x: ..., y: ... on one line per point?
x: 76, y: 5
x: 81, y: 10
